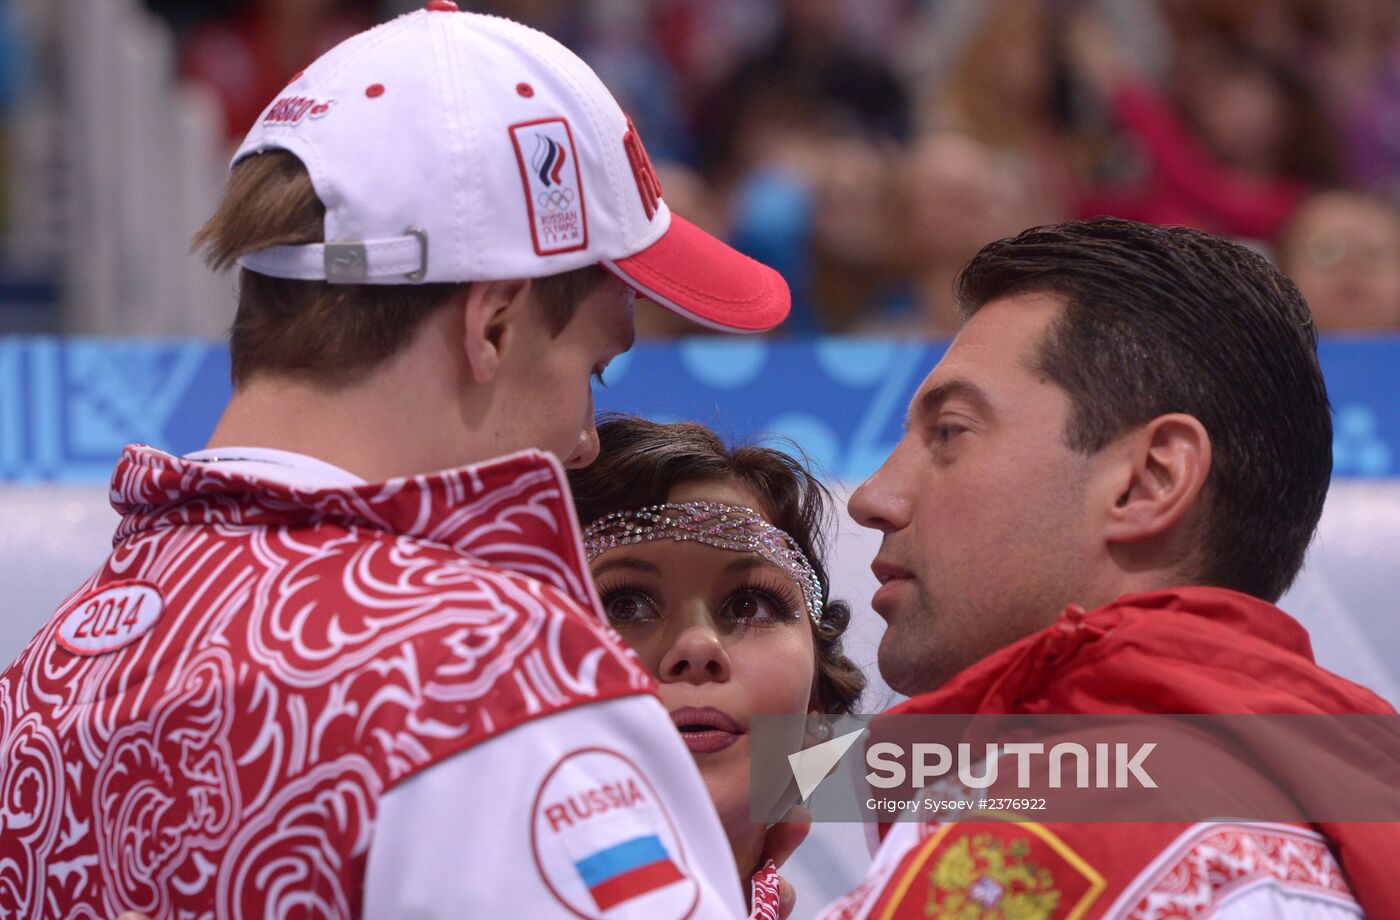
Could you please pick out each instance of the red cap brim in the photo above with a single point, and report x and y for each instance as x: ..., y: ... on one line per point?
x: 691, y: 273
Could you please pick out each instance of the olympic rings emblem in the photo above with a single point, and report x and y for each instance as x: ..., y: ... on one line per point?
x: 556, y: 199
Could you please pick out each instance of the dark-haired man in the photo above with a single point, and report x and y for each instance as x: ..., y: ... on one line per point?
x: 348, y: 661
x: 1132, y: 422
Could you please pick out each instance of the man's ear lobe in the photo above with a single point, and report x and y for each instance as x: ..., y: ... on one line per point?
x: 1166, y: 463
x: 490, y: 311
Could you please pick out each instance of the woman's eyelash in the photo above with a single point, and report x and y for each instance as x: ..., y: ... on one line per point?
x: 782, y: 597
x: 598, y: 376
x: 620, y: 588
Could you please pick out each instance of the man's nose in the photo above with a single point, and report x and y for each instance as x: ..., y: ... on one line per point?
x: 585, y: 451
x: 697, y: 656
x: 881, y: 502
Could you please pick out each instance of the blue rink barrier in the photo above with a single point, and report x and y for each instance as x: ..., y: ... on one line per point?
x: 67, y: 406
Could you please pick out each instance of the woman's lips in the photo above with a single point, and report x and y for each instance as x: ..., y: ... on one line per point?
x: 707, y: 742
x: 705, y: 729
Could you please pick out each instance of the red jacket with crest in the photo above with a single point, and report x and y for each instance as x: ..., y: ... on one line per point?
x: 1189, y: 650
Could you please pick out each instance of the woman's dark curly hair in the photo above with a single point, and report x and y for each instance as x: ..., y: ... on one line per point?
x: 640, y: 462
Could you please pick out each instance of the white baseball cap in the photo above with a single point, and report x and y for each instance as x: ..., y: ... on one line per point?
x: 452, y: 146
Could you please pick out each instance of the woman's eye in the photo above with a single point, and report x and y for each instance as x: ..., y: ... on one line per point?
x: 626, y: 607
x: 750, y: 606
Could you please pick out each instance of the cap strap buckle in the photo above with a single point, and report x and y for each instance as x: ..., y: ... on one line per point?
x: 346, y: 261
x: 421, y: 235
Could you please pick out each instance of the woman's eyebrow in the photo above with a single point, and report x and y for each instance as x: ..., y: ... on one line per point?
x: 748, y: 561
x: 636, y: 565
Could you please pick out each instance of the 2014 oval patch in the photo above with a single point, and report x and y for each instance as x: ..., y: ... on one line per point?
x: 110, y: 618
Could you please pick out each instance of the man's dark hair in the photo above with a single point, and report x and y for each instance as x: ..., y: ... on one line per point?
x: 1169, y: 319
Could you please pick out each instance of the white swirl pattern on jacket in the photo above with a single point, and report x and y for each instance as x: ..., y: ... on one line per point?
x: 315, y: 648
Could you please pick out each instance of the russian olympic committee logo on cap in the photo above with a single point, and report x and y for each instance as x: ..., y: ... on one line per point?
x: 604, y: 844
x: 553, y: 181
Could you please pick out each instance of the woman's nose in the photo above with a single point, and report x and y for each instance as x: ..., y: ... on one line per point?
x: 697, y: 656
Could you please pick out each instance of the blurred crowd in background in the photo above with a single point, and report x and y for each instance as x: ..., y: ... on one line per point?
x: 867, y: 148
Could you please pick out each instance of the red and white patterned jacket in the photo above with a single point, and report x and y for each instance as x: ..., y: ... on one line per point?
x: 395, y: 699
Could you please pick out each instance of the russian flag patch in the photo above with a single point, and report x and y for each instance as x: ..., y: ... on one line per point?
x: 604, y: 843
x: 628, y: 870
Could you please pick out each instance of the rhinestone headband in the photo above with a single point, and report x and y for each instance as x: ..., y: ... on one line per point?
x: 729, y: 527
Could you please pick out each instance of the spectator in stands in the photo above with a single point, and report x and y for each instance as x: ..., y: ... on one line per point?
x: 852, y: 235
x: 995, y: 82
x: 1359, y: 67
x: 1342, y: 249
x: 617, y: 41
x: 796, y: 132
x: 768, y: 180
x: 1236, y: 157
x: 810, y: 57
x: 788, y: 118
x: 954, y: 196
x: 248, y: 58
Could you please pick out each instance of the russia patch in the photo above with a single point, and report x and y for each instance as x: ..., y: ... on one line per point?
x: 605, y: 845
x: 549, y: 170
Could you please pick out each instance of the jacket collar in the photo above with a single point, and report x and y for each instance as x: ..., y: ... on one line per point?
x: 513, y: 512
x: 1073, y: 648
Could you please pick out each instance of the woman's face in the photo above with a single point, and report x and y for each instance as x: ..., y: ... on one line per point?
x: 725, y: 633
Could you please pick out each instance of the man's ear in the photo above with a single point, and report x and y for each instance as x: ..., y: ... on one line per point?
x: 491, y: 310
x: 1161, y: 470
